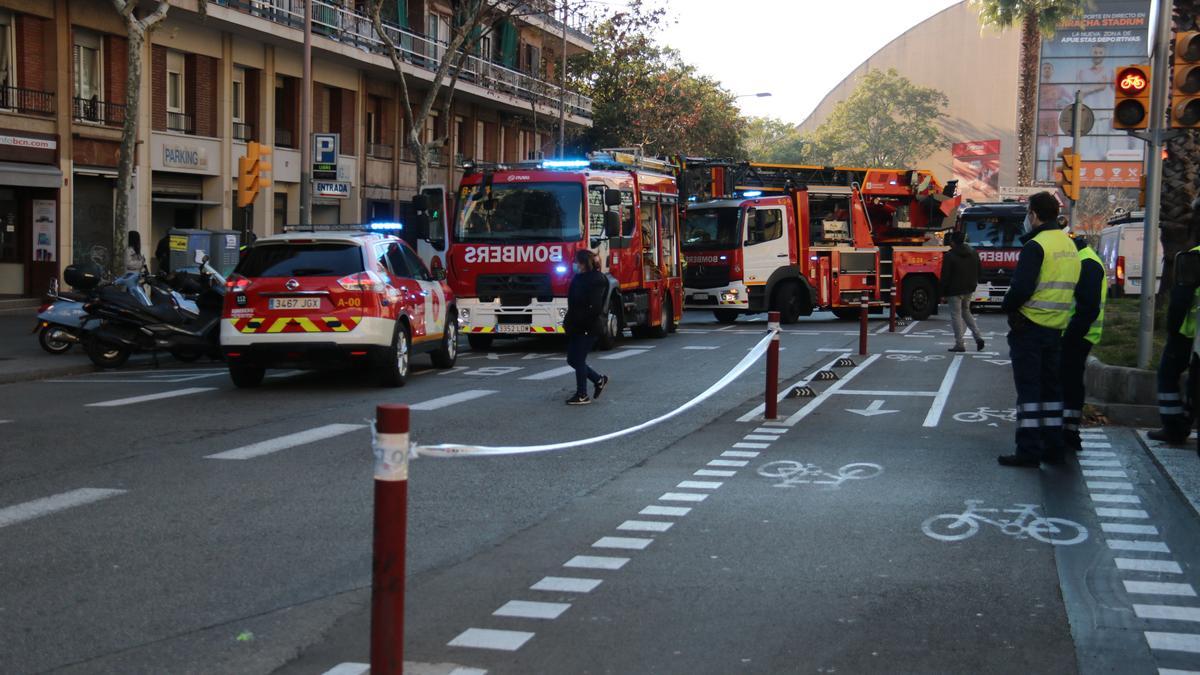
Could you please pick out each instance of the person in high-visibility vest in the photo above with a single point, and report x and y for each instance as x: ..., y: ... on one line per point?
x: 1176, y: 355
x: 1084, y: 330
x: 1039, y: 302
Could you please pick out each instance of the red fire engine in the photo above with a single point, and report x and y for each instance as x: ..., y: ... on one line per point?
x: 517, y: 228
x: 796, y: 239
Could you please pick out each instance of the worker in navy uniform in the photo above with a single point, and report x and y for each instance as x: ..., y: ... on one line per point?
x: 1176, y: 355
x: 1039, y: 302
x: 1084, y: 330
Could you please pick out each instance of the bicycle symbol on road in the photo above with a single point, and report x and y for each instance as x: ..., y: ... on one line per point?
x: 926, y: 358
x: 1026, y: 523
x: 984, y: 413
x: 791, y: 473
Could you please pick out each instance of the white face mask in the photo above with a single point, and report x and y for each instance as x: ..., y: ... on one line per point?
x: 1028, y: 224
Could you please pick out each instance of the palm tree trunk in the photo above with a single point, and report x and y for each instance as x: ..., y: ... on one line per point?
x: 1031, y: 47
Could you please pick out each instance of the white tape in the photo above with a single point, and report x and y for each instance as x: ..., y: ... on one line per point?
x: 454, y: 449
x: 391, y: 455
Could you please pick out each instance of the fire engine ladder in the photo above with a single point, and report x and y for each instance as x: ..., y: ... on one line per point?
x: 631, y: 159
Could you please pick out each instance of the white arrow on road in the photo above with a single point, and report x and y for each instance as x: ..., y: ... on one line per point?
x: 872, y: 410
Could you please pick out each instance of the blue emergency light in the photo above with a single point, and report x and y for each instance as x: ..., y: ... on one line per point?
x: 386, y: 227
x: 752, y: 193
x: 566, y: 164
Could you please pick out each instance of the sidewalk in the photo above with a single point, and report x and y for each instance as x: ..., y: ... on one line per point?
x: 1180, y: 464
x: 22, y: 359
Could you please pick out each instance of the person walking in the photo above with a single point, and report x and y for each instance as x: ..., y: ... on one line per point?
x: 584, y: 323
x: 1083, y: 331
x: 1176, y: 355
x: 960, y: 276
x: 1039, y: 303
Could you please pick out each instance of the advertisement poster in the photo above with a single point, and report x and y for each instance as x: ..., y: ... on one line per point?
x: 1083, y: 56
x: 45, y: 229
x: 977, y: 169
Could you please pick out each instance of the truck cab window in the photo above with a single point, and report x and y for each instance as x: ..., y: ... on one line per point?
x: 763, y: 225
x: 649, y: 223
x: 829, y: 218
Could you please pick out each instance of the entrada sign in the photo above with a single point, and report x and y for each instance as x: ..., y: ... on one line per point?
x: 331, y: 189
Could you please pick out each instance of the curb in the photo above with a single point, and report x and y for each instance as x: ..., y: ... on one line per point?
x: 1166, y: 472
x: 1122, y: 393
x: 46, y: 372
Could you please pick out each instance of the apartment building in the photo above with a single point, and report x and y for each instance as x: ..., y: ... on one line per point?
x: 220, y: 73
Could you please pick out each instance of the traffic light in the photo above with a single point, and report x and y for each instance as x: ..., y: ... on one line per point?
x: 1185, y: 86
x: 251, y: 170
x: 1131, y: 109
x: 1069, y: 173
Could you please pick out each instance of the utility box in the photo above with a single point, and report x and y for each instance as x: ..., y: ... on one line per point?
x: 222, y: 247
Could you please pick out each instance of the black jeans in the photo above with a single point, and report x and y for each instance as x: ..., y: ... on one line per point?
x: 1036, y: 354
x: 578, y: 347
x: 1074, y: 361
x: 1176, y: 356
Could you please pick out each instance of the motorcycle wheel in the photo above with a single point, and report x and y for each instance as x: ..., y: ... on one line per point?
x: 51, y: 339
x: 105, y: 355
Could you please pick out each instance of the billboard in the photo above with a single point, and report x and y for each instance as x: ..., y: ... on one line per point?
x: 977, y: 169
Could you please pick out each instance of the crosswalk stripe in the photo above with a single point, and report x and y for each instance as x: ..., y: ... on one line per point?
x: 487, y: 638
x: 566, y: 585
x: 452, y: 399
x: 529, y: 609
x: 290, y: 441
x: 1169, y: 612
x: 19, y: 513
x: 1144, y: 565
x: 645, y: 526
x: 550, y: 374
x: 656, y: 510
x: 1121, y: 513
x: 1127, y: 528
x: 1159, y: 588
x: 1174, y: 642
x: 596, y: 562
x: 627, y: 543
x: 145, y: 398
x: 1146, y: 546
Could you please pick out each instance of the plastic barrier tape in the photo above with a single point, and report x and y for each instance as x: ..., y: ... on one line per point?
x: 457, y: 450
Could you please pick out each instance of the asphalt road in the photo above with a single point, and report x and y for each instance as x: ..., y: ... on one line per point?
x: 163, y: 521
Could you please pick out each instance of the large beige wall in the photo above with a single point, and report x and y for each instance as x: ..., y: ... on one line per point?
x: 976, y: 69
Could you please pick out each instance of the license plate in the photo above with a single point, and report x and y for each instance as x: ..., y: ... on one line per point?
x: 512, y: 328
x: 295, y: 303
x: 700, y: 296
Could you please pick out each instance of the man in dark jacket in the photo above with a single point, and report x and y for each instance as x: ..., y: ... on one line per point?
x: 583, y: 323
x: 960, y: 276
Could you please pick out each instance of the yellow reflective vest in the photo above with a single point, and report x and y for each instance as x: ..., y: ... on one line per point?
x: 1188, y: 329
x: 1093, y: 335
x: 1054, y: 298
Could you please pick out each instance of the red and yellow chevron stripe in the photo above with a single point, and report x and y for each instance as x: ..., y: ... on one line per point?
x: 295, y: 324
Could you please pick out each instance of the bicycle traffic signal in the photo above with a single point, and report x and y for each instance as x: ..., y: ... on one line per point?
x: 253, y: 173
x: 1131, y: 107
x: 1068, y: 171
x: 1185, y: 86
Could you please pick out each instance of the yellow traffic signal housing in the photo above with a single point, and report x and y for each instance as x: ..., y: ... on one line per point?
x: 251, y: 170
x: 1185, y: 85
x: 1069, y: 173
x: 1131, y: 104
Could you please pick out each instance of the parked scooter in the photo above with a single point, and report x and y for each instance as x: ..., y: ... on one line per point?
x: 118, y: 324
x: 60, y: 319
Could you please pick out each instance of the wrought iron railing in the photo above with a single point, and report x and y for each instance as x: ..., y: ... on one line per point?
x: 243, y: 131
x: 350, y: 27
x: 180, y: 122
x: 96, y: 111
x: 27, y: 101
x: 284, y: 138
x: 379, y: 151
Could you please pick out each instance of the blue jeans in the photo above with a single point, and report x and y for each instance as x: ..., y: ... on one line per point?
x: 1176, y: 356
x: 1036, y: 353
x: 578, y: 347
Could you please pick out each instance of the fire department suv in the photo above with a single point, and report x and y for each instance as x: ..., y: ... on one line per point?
x: 801, y: 238
x: 334, y: 298
x: 518, y: 227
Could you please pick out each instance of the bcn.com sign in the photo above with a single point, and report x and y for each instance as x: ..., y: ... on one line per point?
x: 513, y: 254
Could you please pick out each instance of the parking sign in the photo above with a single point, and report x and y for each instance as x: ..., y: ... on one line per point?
x: 325, y: 152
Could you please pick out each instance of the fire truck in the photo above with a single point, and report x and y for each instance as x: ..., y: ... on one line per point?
x: 795, y: 239
x: 994, y: 230
x: 517, y: 227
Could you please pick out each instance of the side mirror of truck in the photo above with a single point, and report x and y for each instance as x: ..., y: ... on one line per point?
x: 612, y: 197
x: 420, y: 202
x: 1187, y: 268
x: 421, y: 225
x: 612, y: 224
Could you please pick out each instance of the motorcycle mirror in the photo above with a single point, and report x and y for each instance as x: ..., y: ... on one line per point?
x: 201, y: 257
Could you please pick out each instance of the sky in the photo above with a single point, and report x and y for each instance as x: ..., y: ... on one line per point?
x: 795, y: 49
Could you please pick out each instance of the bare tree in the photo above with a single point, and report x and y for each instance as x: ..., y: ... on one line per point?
x: 138, y: 30
x: 466, y: 30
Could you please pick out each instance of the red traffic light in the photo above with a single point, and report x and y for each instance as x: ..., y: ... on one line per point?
x: 1132, y: 82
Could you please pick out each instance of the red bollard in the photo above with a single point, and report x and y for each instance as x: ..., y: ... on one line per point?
x: 892, y: 314
x: 391, y: 531
x: 862, y: 328
x: 772, y: 395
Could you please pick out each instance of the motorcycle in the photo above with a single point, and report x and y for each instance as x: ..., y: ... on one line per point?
x: 119, y: 324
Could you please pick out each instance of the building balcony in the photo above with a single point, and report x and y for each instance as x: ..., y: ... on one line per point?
x: 347, y: 26
x: 379, y: 151
x: 243, y: 131
x: 180, y: 123
x: 26, y: 101
x: 95, y: 111
x: 284, y: 138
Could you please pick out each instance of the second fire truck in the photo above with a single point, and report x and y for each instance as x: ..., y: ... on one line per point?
x: 796, y: 239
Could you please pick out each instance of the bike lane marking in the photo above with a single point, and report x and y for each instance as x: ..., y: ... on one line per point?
x: 939, y: 402
x: 37, y: 508
x: 755, y: 414
x: 812, y: 405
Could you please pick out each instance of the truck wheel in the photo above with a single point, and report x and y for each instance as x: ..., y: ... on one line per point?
x: 666, y: 318
x: 246, y: 377
x: 612, y: 329
x: 393, y: 366
x: 447, y: 353
x: 726, y: 315
x: 479, y: 342
x: 787, y: 302
x: 919, y: 299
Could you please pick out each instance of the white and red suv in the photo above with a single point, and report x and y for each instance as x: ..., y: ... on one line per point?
x: 335, y: 298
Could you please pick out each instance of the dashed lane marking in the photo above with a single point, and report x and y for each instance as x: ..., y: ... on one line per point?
x: 174, y: 393
x: 624, y: 543
x: 487, y: 638
x: 1173, y: 642
x: 596, y: 562
x: 1109, y: 485
x: 1091, y: 444
x: 771, y: 430
x: 740, y: 453
x: 1168, y: 612
x: 19, y: 513
x: 645, y: 526
x: 1159, y: 588
x: 1090, y: 454
x: 758, y: 446
x: 1115, y: 499
x: 1144, y: 546
x: 1104, y: 473
x: 550, y: 374
x: 452, y: 399
x: 623, y: 355
x: 527, y: 609
x: 759, y: 437
x: 715, y: 473
x: 1129, y: 528
x: 290, y: 441
x: 1104, y: 512
x: 409, y: 666
x: 1099, y: 462
x: 701, y: 347
x: 699, y: 485
x: 566, y: 585
x: 656, y: 510
x: 728, y: 462
x: 1143, y: 565
x: 682, y: 497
